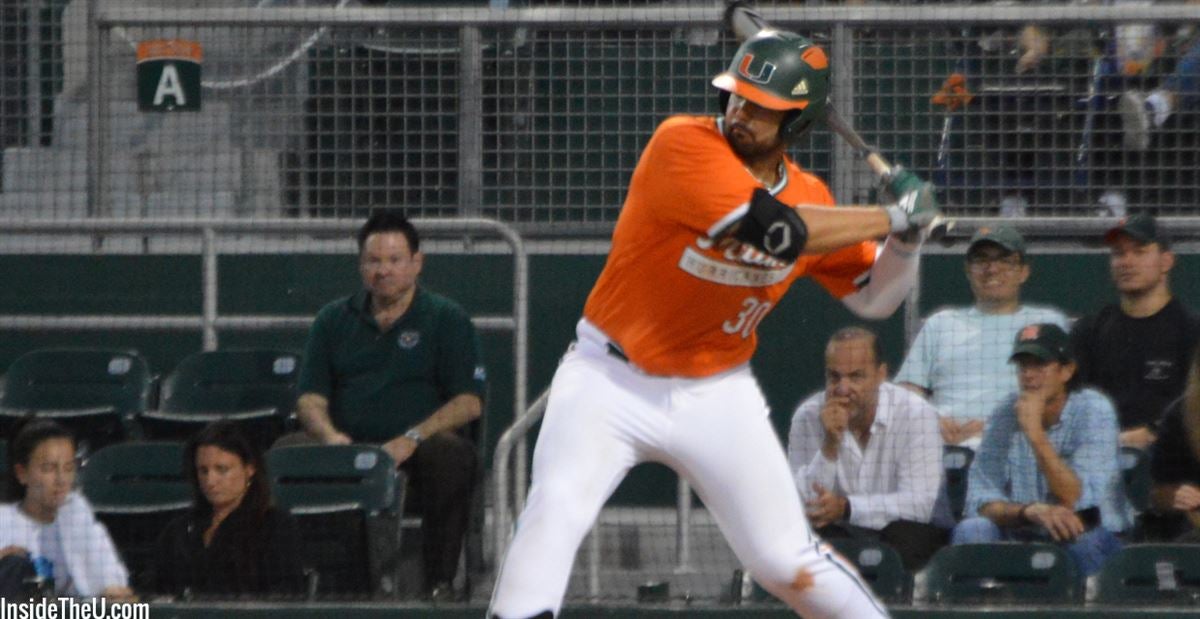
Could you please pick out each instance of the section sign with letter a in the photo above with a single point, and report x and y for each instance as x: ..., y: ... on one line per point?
x: 168, y: 75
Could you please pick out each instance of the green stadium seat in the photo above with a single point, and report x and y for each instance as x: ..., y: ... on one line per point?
x: 1152, y: 574
x: 956, y: 460
x: 135, y: 488
x: 338, y: 493
x: 255, y: 388
x: 1135, y: 475
x: 95, y: 392
x: 880, y: 565
x: 1003, y: 572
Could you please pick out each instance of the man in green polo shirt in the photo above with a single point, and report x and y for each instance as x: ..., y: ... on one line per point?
x: 400, y: 366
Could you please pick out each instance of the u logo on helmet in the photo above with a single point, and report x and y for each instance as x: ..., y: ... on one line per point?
x: 762, y: 71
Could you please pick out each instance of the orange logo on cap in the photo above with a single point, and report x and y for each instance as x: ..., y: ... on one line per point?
x: 1029, y: 333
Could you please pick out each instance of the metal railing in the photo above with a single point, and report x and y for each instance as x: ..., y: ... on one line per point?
x: 210, y: 321
x: 510, y: 475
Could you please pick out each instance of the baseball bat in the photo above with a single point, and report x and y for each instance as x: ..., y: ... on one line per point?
x: 745, y: 22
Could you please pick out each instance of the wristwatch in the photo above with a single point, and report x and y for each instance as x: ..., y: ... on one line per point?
x: 414, y: 435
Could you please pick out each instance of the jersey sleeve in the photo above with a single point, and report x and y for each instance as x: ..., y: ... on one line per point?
x: 460, y: 360
x: 689, y: 175
x: 844, y: 271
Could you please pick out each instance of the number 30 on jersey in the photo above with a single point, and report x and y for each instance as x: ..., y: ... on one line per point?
x: 753, y: 311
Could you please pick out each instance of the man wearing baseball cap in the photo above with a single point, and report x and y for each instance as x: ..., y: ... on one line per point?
x: 1137, y: 350
x: 1047, y: 466
x: 959, y: 359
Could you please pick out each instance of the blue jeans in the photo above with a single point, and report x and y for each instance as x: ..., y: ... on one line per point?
x: 1089, y: 550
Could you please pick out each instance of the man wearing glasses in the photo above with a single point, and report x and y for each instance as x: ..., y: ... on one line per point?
x: 960, y: 358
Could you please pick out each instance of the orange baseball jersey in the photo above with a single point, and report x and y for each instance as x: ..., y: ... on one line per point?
x: 674, y: 304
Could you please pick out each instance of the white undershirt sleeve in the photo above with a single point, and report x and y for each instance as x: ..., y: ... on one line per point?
x: 891, y: 279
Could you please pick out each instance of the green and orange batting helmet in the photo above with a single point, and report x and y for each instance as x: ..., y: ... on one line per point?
x: 780, y: 70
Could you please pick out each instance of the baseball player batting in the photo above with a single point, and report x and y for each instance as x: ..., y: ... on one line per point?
x: 717, y: 224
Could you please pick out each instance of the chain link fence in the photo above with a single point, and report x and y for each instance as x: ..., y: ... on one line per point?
x: 535, y: 115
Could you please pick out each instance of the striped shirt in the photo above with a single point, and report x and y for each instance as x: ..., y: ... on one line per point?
x: 897, y: 474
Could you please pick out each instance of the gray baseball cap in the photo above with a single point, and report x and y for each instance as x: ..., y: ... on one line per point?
x: 1006, y: 237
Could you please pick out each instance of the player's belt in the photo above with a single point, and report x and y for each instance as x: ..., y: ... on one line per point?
x: 615, y: 351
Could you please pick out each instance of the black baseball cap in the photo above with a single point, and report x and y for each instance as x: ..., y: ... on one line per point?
x: 1046, y: 341
x: 1141, y: 227
x: 1006, y: 237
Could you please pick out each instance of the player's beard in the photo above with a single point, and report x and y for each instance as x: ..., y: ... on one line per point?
x: 742, y: 141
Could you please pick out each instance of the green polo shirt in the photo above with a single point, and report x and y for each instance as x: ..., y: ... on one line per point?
x: 381, y: 383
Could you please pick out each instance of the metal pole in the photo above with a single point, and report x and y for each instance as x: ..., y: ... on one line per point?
x: 683, y: 527
x: 844, y: 165
x: 33, y: 78
x: 208, y: 257
x: 95, y: 83
x: 470, y: 121
x: 594, y: 561
x: 501, y: 463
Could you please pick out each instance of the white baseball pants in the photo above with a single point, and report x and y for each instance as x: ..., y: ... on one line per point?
x: 604, y: 417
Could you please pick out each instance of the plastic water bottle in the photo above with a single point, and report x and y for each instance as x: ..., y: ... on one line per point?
x: 44, y: 569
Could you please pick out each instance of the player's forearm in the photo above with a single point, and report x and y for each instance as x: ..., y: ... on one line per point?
x: 1063, y: 482
x: 892, y: 278
x: 454, y: 414
x: 313, y: 411
x: 830, y: 229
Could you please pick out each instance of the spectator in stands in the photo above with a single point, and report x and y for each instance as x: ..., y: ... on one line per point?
x: 398, y: 365
x: 960, y: 357
x: 1175, y: 463
x: 1137, y: 350
x: 51, y: 524
x: 867, y: 454
x: 1142, y: 112
x: 1047, y: 468
x: 233, y: 541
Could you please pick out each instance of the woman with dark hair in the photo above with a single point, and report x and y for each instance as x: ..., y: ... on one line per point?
x: 233, y: 541
x: 1175, y: 464
x: 50, y: 524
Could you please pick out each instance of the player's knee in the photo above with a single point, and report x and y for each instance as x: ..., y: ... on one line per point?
x: 558, y: 508
x: 775, y: 568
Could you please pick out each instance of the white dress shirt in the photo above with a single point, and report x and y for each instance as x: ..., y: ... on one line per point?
x: 897, y: 475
